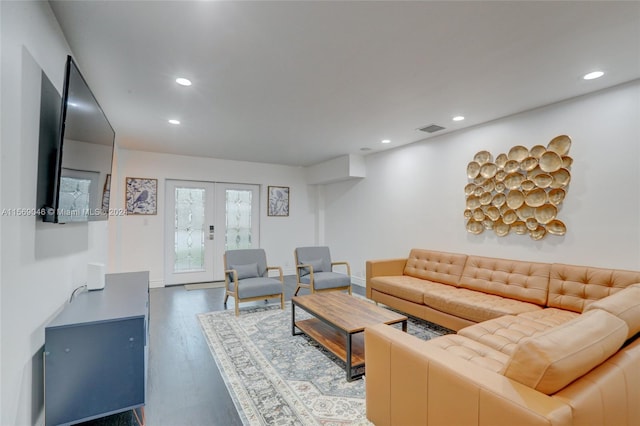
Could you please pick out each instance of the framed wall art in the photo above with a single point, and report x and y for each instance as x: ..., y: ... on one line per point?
x: 141, y: 195
x: 106, y: 193
x: 278, y: 201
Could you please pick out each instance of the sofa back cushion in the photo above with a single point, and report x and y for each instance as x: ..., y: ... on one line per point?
x: 574, y: 287
x: 551, y: 360
x: 435, y: 266
x: 624, y: 304
x: 524, y: 281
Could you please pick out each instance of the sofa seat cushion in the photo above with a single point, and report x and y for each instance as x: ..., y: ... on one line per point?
x: 404, y: 287
x: 472, y: 351
x: 257, y: 287
x: 550, y: 316
x: 504, y: 333
x: 474, y: 305
x: 624, y: 304
x: 551, y: 360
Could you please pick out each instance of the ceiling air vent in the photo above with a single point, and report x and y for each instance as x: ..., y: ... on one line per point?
x: 432, y: 128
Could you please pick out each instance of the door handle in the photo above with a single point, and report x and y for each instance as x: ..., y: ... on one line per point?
x: 211, y: 232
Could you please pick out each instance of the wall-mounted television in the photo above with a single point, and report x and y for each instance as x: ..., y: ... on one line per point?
x: 75, y: 157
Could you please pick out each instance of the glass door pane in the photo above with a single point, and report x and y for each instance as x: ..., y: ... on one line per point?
x: 189, y: 234
x: 237, y: 216
x: 238, y: 219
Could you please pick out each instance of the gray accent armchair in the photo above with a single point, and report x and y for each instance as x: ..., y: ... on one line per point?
x: 314, y: 270
x: 246, y: 276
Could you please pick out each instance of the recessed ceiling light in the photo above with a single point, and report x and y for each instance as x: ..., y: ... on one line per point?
x: 458, y: 118
x: 173, y: 121
x: 386, y: 141
x: 593, y: 75
x: 183, y: 81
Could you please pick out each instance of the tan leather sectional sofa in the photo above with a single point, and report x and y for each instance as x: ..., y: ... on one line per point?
x: 536, y: 343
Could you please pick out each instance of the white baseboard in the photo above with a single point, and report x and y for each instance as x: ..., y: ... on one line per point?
x: 361, y: 282
x: 288, y: 271
x: 156, y: 284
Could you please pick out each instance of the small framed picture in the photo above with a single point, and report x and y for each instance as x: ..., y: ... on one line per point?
x: 278, y: 201
x: 106, y: 193
x: 141, y: 196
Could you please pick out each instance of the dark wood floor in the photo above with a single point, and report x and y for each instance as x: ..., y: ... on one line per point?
x: 184, y: 386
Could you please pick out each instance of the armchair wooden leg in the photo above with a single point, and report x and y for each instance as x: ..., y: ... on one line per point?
x: 349, y: 290
x: 237, y: 308
x: 282, y: 301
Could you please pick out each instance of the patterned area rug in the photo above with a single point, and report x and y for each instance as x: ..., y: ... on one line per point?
x: 275, y: 378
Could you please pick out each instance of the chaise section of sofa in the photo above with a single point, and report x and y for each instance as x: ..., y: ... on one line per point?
x: 582, y: 372
x: 413, y: 382
x: 566, y: 352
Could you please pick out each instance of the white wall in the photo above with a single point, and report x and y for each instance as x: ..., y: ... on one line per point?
x: 338, y: 169
x: 1, y: 224
x: 137, y: 241
x: 413, y: 196
x: 40, y: 263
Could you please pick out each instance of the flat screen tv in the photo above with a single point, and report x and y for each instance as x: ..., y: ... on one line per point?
x: 75, y: 158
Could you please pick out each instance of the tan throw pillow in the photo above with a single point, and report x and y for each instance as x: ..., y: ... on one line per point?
x: 550, y: 361
x: 624, y: 304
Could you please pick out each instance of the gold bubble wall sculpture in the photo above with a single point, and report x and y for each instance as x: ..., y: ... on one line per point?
x: 520, y: 191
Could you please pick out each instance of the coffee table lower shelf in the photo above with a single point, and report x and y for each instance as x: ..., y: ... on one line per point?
x: 338, y: 322
x: 336, y: 342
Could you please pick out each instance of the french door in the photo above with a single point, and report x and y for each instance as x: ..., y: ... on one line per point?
x: 238, y: 216
x: 202, y: 220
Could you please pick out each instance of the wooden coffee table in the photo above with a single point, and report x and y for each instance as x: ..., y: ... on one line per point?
x: 338, y: 324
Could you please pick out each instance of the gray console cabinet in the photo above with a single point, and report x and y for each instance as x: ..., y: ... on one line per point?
x: 96, y: 352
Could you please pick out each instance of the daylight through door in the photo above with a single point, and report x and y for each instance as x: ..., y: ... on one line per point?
x: 203, y: 219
